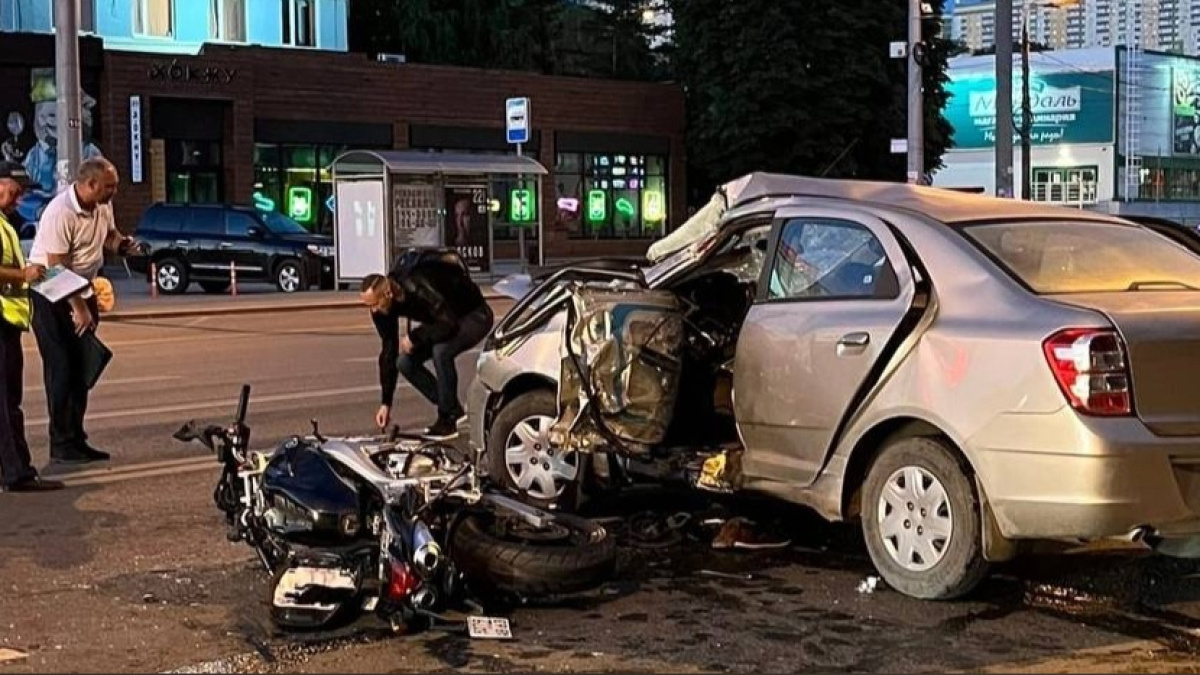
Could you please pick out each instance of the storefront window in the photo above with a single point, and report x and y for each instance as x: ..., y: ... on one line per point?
x: 611, y: 196
x: 194, y: 172
x: 503, y: 190
x: 297, y: 181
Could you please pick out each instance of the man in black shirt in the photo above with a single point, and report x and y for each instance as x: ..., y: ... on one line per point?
x: 454, y: 317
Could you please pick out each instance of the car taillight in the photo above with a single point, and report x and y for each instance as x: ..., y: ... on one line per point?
x: 401, y: 582
x: 1091, y: 367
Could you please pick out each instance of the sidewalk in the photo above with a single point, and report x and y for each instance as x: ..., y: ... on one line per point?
x: 134, y: 301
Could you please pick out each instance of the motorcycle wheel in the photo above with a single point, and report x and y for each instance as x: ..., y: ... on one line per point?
x: 509, y: 556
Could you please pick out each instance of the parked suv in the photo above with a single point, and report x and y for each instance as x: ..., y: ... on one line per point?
x: 198, y: 243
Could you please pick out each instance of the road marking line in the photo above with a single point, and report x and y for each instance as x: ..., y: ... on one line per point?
x: 133, y: 468
x: 212, y: 405
x: 34, y: 388
x: 150, y: 473
x: 230, y: 335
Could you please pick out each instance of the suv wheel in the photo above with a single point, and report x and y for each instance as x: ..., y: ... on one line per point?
x: 171, y: 277
x: 921, y: 520
x: 289, y: 278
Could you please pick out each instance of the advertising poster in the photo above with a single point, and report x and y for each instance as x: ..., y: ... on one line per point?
x: 1185, y: 111
x: 466, y: 226
x: 415, y: 221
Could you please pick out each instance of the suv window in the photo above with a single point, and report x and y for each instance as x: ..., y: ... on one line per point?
x: 826, y: 258
x: 1080, y: 257
x: 238, y: 223
x: 165, y: 219
x: 206, y: 220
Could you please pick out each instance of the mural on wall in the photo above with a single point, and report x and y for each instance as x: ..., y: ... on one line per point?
x: 31, y: 139
x: 1185, y: 111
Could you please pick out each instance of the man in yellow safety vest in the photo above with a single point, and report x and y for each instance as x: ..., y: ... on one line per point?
x: 16, y: 469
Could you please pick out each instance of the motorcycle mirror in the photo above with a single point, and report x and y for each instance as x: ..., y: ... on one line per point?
x: 186, y: 433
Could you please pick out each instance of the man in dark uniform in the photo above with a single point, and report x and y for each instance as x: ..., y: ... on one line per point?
x: 16, y: 470
x: 438, y: 292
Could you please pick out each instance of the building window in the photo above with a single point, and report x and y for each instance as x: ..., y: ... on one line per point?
x: 153, y: 18
x: 1078, y: 185
x: 611, y: 196
x: 300, y: 23
x: 194, y: 172
x: 227, y: 20
x: 297, y: 181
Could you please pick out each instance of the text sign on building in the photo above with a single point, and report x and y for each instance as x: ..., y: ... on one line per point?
x: 135, y: 139
x: 516, y: 120
x: 1075, y: 107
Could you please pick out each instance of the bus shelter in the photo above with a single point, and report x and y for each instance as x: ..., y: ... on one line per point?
x: 388, y: 201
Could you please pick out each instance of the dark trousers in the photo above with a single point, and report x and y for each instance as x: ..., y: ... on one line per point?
x: 15, y: 463
x: 62, y: 363
x: 442, y: 390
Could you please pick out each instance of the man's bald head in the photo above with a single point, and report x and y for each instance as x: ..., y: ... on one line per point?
x: 97, y: 182
x: 10, y: 191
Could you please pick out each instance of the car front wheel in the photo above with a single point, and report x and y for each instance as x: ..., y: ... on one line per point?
x: 289, y: 278
x: 921, y: 520
x: 171, y: 276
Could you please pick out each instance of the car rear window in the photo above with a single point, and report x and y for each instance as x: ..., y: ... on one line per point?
x: 1081, y: 257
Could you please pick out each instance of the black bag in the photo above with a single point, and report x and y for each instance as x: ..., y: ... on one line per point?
x: 96, y: 356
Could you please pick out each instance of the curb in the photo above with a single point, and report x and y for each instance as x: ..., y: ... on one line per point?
x: 228, y: 310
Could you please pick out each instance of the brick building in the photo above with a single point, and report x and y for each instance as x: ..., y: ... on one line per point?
x: 248, y: 124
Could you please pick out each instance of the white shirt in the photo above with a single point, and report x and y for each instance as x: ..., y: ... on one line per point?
x: 65, y: 228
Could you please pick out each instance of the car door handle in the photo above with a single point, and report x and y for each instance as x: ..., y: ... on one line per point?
x: 182, y: 242
x: 855, y: 340
x: 226, y: 244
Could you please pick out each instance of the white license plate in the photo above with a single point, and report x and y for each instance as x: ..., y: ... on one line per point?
x: 488, y: 628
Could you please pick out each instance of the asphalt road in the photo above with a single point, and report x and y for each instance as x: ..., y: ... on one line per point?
x: 129, y: 571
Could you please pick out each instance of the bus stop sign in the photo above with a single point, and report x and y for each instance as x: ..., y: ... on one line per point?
x: 516, y: 120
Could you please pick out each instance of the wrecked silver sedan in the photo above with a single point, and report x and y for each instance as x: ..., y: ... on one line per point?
x: 958, y: 373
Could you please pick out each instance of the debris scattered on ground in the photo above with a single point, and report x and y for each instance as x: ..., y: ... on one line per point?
x: 653, y: 530
x: 745, y: 534
x: 742, y: 576
x: 869, y: 585
x: 149, y: 597
x: 8, y: 655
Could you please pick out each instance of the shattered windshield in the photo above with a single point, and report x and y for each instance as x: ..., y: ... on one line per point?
x: 702, y: 224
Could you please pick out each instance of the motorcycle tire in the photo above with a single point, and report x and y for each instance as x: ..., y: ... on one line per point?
x: 533, y: 567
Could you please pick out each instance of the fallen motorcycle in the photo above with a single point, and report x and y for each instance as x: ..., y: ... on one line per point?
x: 394, y: 524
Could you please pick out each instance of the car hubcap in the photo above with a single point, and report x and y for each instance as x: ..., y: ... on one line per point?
x: 168, y: 278
x: 289, y: 278
x: 533, y: 464
x: 915, y: 520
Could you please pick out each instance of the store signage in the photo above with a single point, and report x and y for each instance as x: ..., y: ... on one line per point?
x: 516, y: 120
x: 1075, y: 107
x: 521, y: 207
x: 1185, y: 110
x: 597, y: 206
x: 174, y: 71
x: 300, y: 203
x: 135, y: 139
x: 654, y: 207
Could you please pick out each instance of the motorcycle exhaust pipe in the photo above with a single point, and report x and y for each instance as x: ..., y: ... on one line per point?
x: 425, y: 598
x: 427, y: 553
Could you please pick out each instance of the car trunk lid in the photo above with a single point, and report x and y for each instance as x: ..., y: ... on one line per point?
x: 1161, y: 331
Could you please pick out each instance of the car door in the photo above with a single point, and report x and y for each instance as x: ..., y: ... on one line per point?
x: 205, y: 232
x: 244, y: 248
x: 834, y: 291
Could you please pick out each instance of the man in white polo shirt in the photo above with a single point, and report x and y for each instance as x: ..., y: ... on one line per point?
x: 74, y: 231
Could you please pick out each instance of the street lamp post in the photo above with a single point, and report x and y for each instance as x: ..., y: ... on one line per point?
x: 1004, y: 108
x: 916, y: 102
x: 69, y: 111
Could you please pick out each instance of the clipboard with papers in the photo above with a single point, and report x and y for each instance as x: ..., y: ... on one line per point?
x: 59, y: 283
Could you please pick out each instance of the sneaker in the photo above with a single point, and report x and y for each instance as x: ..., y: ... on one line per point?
x: 442, y: 430
x: 95, y: 455
x: 33, y: 485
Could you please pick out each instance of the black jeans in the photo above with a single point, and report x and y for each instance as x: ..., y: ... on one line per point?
x: 15, y: 463
x: 442, y: 390
x: 62, y: 363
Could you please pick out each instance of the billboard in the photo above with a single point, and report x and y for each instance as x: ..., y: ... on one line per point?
x: 1185, y: 110
x: 1068, y: 107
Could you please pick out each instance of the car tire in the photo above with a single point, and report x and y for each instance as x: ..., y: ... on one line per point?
x: 215, y: 287
x: 904, y: 479
x: 289, y: 277
x: 530, y: 413
x: 171, y: 276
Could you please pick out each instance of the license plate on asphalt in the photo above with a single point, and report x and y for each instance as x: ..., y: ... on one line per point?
x: 488, y: 628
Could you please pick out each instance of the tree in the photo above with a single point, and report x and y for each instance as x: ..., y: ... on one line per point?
x: 802, y: 86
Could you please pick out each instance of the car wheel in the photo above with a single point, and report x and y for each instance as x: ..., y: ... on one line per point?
x: 171, y: 276
x: 921, y: 520
x: 519, y: 453
x: 289, y: 278
x: 214, y: 287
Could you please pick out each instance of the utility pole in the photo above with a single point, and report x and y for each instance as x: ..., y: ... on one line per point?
x: 1004, y: 106
x: 1026, y: 105
x: 66, y: 83
x: 916, y: 102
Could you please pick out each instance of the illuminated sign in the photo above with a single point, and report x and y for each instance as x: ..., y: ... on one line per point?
x: 626, y: 207
x: 653, y: 206
x: 494, y: 205
x: 263, y: 202
x: 300, y: 203
x: 521, y: 208
x: 568, y: 204
x: 597, y: 206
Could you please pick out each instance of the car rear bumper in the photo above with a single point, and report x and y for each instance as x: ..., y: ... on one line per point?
x: 1114, y: 479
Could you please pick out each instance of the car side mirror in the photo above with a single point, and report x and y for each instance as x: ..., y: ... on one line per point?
x: 256, y: 232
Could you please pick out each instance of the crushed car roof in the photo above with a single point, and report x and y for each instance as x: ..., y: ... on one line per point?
x: 948, y: 206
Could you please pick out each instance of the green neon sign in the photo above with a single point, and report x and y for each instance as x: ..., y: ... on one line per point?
x: 597, y: 206
x: 521, y: 207
x: 654, y: 207
x: 626, y: 207
x: 300, y: 203
x: 263, y: 202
